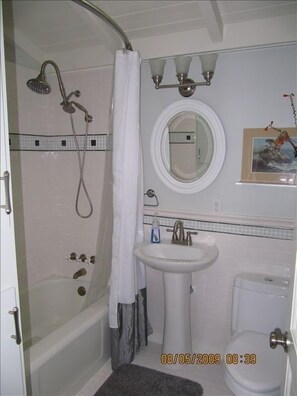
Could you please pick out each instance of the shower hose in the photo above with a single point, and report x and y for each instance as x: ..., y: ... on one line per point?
x: 81, y: 165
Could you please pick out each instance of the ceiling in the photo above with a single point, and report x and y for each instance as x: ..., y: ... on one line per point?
x: 53, y: 27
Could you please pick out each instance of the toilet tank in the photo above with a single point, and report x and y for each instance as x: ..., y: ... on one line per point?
x: 259, y: 302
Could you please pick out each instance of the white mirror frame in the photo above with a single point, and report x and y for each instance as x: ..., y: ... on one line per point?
x: 158, y: 149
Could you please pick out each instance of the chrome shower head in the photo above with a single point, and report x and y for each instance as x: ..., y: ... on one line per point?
x: 39, y: 85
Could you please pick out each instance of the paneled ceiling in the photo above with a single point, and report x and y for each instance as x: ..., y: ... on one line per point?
x: 56, y: 26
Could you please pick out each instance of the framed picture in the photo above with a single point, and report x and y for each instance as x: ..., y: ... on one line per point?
x: 269, y: 158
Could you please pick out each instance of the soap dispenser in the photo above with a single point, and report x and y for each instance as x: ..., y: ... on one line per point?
x: 155, y: 233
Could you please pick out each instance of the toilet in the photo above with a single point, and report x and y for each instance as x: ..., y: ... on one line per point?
x: 259, y: 306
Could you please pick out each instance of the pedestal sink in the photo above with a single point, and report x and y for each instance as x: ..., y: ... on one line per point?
x: 177, y: 263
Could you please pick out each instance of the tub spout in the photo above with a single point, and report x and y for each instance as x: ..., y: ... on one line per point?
x: 79, y: 273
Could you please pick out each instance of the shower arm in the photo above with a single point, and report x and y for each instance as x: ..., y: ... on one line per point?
x: 66, y: 98
x: 106, y: 18
x: 61, y: 85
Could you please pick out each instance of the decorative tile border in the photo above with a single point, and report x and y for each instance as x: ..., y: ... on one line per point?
x: 182, y: 137
x: 226, y: 228
x: 28, y: 142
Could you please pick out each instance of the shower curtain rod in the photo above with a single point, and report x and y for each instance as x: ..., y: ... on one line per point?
x: 106, y: 18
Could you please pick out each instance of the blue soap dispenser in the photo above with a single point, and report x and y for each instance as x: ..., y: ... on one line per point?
x: 155, y: 233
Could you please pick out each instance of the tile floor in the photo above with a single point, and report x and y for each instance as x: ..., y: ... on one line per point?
x: 209, y: 376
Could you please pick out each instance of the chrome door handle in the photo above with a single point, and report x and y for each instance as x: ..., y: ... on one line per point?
x: 279, y: 338
x: 17, y: 337
x: 7, y: 205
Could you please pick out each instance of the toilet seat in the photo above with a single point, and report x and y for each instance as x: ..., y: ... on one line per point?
x: 262, y: 377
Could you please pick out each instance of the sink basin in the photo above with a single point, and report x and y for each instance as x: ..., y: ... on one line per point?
x: 168, y: 257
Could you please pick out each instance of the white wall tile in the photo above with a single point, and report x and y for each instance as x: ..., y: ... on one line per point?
x: 45, y: 184
x: 211, y: 303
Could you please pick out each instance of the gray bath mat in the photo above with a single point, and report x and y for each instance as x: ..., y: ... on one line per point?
x: 132, y: 380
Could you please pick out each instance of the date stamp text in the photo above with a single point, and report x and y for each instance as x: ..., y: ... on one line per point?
x: 208, y: 358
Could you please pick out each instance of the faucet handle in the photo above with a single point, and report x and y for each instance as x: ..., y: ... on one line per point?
x: 189, y: 237
x: 72, y: 257
x: 82, y: 258
x: 174, y: 234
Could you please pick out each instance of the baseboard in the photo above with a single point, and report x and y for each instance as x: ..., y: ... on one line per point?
x: 197, y: 347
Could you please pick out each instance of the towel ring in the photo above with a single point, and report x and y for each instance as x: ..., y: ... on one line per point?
x: 151, y: 194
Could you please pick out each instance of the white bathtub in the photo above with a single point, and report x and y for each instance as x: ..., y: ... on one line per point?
x: 65, y: 347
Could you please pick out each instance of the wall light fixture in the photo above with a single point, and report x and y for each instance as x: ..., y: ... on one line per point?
x: 186, y: 86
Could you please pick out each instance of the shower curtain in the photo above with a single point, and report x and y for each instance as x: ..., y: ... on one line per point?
x: 102, y: 268
x: 128, y: 321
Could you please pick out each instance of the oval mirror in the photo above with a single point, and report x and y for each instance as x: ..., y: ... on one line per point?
x: 188, y: 146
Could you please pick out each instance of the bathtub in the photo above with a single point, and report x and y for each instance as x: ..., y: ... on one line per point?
x: 64, y: 346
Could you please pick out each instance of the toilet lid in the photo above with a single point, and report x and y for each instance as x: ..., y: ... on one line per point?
x: 265, y: 374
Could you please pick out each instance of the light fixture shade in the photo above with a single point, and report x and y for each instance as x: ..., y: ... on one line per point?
x: 157, y: 67
x: 208, y: 62
x: 182, y: 64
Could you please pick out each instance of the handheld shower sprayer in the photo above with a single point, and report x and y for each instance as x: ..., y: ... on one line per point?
x: 41, y: 86
x: 88, y: 117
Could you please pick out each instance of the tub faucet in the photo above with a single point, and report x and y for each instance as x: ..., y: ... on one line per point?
x: 79, y: 273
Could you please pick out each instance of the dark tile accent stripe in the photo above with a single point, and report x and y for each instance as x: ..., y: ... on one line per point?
x: 28, y: 142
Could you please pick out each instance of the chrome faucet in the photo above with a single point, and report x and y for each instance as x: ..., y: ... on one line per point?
x: 79, y: 273
x: 180, y: 237
x: 178, y: 234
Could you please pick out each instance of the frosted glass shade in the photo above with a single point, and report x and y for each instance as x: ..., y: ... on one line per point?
x: 208, y: 62
x: 182, y: 64
x: 157, y: 67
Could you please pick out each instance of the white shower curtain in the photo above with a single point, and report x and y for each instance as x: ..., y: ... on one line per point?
x: 127, y: 304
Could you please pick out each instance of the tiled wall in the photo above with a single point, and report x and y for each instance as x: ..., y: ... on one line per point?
x: 48, y: 228
x: 45, y: 170
x: 245, y: 245
x: 212, y: 299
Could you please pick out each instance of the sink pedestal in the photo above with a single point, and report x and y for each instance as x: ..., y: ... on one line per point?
x: 177, y: 326
x: 177, y: 263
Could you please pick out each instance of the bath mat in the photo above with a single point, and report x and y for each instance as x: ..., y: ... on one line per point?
x: 133, y: 380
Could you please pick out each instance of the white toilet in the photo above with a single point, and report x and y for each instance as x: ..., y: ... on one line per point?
x: 259, y: 306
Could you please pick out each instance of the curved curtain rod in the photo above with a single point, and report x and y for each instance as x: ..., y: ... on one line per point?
x: 106, y: 18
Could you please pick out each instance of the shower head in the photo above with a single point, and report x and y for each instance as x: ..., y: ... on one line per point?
x: 39, y: 85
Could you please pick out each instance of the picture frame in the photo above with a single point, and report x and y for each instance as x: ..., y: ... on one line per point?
x: 263, y: 162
